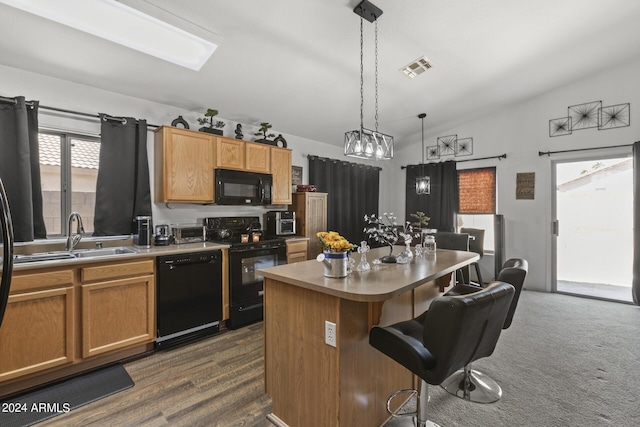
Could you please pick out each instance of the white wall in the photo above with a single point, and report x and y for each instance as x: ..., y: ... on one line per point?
x: 63, y: 94
x: 521, y: 131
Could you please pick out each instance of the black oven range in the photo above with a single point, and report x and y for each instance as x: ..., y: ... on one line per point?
x: 249, y: 251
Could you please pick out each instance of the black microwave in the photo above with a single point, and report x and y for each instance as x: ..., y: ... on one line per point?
x: 242, y: 188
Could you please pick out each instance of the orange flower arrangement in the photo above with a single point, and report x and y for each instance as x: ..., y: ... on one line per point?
x: 334, y: 242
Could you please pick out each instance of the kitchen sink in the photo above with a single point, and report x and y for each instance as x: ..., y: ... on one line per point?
x: 103, y: 252
x: 81, y: 253
x: 45, y: 256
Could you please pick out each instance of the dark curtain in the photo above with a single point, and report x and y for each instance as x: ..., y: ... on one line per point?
x: 122, y: 190
x: 20, y: 167
x: 352, y: 191
x: 442, y: 204
x: 635, y: 289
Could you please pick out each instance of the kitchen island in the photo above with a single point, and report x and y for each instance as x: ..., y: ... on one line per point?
x: 313, y: 383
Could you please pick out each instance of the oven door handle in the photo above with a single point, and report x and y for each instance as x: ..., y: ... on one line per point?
x: 238, y: 250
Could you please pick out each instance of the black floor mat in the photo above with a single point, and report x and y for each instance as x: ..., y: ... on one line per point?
x: 62, y: 397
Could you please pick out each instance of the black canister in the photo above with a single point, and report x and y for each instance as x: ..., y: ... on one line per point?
x: 142, y: 238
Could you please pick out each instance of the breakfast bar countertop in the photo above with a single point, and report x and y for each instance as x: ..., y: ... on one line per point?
x: 378, y: 284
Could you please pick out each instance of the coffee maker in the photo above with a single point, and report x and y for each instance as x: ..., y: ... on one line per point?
x: 142, y: 238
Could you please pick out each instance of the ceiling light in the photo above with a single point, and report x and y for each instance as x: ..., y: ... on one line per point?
x: 423, y: 183
x: 366, y: 143
x: 416, y: 67
x: 118, y: 23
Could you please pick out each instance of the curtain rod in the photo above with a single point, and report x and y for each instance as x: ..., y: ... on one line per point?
x: 499, y: 157
x: 77, y: 113
x: 312, y: 156
x: 549, y: 153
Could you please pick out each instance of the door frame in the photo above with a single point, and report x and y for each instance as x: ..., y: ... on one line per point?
x: 607, y: 153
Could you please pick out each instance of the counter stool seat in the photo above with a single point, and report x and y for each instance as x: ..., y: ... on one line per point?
x: 455, y: 331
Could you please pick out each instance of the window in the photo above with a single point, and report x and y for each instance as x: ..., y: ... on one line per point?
x: 69, y: 172
x: 478, y: 201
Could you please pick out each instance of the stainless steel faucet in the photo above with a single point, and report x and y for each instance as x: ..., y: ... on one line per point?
x: 74, y: 239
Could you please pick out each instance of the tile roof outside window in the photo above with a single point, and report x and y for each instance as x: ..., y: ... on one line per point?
x: 85, y: 154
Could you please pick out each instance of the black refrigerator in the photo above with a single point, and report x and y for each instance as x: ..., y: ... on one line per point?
x: 6, y: 239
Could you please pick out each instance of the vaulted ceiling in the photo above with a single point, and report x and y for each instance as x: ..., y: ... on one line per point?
x: 295, y: 63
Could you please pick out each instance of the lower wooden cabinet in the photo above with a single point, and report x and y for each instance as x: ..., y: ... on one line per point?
x: 296, y: 251
x: 37, y: 332
x: 117, y: 314
x: 60, y: 321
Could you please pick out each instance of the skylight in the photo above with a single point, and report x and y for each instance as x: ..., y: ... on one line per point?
x: 119, y: 23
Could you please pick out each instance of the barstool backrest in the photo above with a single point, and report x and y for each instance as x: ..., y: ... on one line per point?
x: 461, y: 329
x: 451, y: 240
x: 477, y: 243
x: 514, y: 271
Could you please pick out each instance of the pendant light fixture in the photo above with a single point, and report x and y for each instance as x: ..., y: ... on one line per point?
x: 423, y: 182
x: 366, y: 143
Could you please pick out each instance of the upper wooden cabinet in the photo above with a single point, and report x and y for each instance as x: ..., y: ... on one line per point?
x: 257, y: 157
x: 230, y: 153
x: 281, y: 171
x: 184, y: 163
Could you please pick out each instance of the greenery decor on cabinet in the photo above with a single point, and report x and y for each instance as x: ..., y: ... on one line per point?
x: 212, y: 127
x: 263, y: 132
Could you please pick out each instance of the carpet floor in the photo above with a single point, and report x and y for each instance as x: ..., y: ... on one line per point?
x: 565, y: 361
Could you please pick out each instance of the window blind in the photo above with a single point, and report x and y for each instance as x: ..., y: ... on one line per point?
x: 477, y: 191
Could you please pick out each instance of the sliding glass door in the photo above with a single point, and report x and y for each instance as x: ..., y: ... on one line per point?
x: 594, y: 227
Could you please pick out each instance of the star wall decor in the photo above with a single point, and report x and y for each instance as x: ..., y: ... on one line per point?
x: 591, y: 115
x: 464, y: 147
x: 614, y: 116
x: 447, y: 144
x: 433, y: 152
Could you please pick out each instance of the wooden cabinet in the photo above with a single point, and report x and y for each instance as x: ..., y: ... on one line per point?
x: 281, y: 171
x: 38, y: 329
x: 230, y: 153
x: 296, y: 250
x: 184, y: 163
x: 118, y: 306
x: 311, y: 217
x: 257, y: 158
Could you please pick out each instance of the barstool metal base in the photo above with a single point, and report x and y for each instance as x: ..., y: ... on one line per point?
x: 419, y: 416
x: 473, y: 386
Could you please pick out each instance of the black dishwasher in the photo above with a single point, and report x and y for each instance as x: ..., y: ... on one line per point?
x: 189, y: 297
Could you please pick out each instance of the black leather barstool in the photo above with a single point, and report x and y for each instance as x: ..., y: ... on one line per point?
x: 455, y: 331
x: 469, y: 383
x: 456, y: 242
x: 476, y: 244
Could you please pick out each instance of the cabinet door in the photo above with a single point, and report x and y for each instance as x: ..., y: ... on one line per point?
x: 117, y: 314
x: 281, y: 170
x: 316, y: 220
x: 37, y: 332
x: 185, y: 160
x: 258, y: 157
x: 230, y: 153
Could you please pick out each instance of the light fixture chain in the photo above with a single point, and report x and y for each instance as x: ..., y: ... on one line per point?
x: 361, y: 77
x: 376, y: 54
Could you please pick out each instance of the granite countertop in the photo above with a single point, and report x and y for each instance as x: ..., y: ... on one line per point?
x: 152, y: 252
x: 379, y: 283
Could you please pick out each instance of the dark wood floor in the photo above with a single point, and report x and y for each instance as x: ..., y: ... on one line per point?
x: 215, y: 382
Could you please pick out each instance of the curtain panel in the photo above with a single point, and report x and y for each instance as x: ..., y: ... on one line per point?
x: 122, y: 190
x: 20, y: 167
x: 635, y: 286
x: 352, y: 192
x: 442, y: 204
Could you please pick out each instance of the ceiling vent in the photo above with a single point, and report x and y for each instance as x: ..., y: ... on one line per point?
x: 416, y: 67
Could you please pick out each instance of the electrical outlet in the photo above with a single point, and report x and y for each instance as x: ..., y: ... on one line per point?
x: 330, y: 333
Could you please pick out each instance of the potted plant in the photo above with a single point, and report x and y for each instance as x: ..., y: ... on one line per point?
x: 264, y: 128
x: 212, y: 127
x: 387, y: 232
